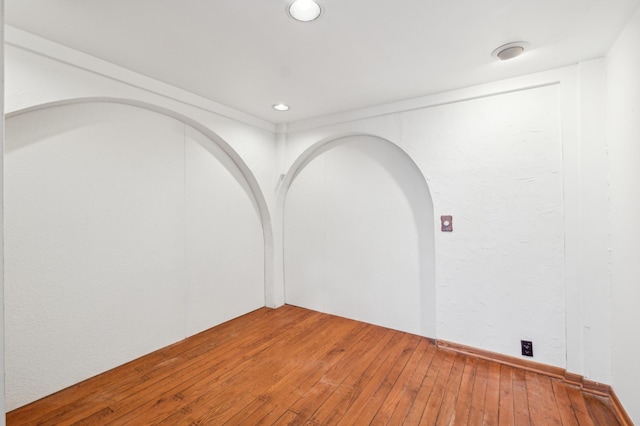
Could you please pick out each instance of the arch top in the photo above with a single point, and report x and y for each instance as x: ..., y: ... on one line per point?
x: 130, y: 102
x: 250, y: 179
x: 369, y: 200
x: 324, y: 145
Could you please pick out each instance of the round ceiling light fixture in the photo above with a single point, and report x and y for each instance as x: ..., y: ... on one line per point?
x: 304, y: 10
x: 281, y: 107
x: 510, y: 50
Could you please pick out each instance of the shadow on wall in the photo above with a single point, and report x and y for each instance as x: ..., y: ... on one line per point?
x: 127, y: 229
x: 359, y: 234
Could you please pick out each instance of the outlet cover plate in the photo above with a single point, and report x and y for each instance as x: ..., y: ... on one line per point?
x: 527, y: 347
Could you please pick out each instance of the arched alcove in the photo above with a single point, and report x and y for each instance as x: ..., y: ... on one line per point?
x: 358, y: 234
x: 128, y: 228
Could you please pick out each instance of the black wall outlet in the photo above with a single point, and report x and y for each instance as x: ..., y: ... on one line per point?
x: 527, y: 347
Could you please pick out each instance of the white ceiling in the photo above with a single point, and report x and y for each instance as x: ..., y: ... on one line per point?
x: 248, y: 54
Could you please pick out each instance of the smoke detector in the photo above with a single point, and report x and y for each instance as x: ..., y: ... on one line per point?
x: 510, y: 50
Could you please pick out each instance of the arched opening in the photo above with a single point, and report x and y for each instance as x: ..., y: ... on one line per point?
x: 358, y: 234
x: 127, y: 229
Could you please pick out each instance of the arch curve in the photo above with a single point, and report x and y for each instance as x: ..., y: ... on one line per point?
x: 257, y: 196
x: 414, y: 188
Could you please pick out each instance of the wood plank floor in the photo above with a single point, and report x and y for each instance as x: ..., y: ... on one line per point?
x: 293, y: 366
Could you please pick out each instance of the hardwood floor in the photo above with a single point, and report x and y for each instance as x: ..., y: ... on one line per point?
x: 295, y: 366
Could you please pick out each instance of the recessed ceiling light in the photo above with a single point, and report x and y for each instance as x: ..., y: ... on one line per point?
x: 510, y: 50
x: 304, y: 10
x: 281, y: 107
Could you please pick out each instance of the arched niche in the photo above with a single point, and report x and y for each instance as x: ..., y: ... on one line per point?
x: 127, y: 228
x: 358, y: 234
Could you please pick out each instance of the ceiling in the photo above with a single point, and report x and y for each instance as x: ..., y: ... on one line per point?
x: 249, y: 54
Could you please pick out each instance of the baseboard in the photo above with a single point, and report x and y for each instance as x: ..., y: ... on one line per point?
x: 586, y: 385
x: 573, y: 379
x: 622, y: 414
x: 524, y: 364
x: 596, y: 388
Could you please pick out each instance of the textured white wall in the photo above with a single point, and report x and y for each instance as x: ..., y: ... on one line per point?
x: 623, y: 112
x: 125, y: 232
x: 2, y: 345
x: 495, y: 164
x: 359, y: 237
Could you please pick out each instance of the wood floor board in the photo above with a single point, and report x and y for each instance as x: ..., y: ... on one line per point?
x: 463, y: 401
x: 567, y: 413
x: 536, y: 405
x: 506, y: 411
x: 335, y: 405
x: 363, y: 350
x: 389, y: 405
x: 492, y: 395
x: 410, y: 392
x: 422, y: 397
x: 432, y: 406
x: 576, y: 396
x: 332, y: 377
x: 293, y: 366
x: 285, y: 419
x: 387, y: 377
x: 600, y: 410
x: 328, y: 351
x: 550, y: 404
x: 374, y: 376
x: 520, y: 398
x: 476, y: 411
x: 210, y: 376
x: 446, y: 413
x: 249, y: 410
x: 340, y: 376
x: 267, y: 373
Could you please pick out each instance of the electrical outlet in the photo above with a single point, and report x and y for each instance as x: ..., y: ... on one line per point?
x: 527, y: 347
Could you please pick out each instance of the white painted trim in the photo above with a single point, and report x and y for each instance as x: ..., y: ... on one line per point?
x: 252, y: 182
x: 43, y: 47
x: 573, y: 287
x: 542, y: 79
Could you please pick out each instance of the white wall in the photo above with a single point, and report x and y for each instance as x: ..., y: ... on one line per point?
x: 2, y: 345
x: 495, y: 163
x: 623, y: 112
x: 359, y: 237
x: 126, y: 231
